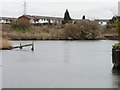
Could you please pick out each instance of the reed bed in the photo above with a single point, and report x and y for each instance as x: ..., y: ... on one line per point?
x: 82, y: 30
x: 4, y: 43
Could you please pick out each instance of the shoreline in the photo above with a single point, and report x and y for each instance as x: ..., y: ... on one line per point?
x: 10, y: 48
x: 37, y: 38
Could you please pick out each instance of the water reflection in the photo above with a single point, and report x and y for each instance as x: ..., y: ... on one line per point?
x: 66, y: 52
x: 60, y: 64
x: 116, y: 74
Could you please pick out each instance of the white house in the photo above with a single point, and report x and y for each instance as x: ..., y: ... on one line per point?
x: 6, y: 20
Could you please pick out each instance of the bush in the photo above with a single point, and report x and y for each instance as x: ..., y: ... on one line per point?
x: 71, y: 31
x: 116, y: 46
x: 83, y: 29
x: 22, y: 27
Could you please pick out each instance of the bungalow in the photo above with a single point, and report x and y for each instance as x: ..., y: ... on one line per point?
x: 6, y: 20
x: 39, y: 19
x: 102, y: 21
x: 23, y: 20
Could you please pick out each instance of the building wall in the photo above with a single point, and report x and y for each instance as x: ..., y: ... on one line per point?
x: 23, y: 21
x: 27, y: 20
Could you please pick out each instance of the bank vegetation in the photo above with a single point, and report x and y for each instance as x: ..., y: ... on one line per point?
x: 82, y: 30
x: 4, y: 43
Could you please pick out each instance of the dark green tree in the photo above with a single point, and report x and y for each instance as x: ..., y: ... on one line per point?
x: 83, y: 17
x: 67, y: 17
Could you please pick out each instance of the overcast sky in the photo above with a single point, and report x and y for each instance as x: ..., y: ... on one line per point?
x: 77, y: 8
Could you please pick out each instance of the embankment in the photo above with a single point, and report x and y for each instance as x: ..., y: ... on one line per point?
x: 79, y: 31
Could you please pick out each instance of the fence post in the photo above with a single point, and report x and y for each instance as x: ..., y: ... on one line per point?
x: 32, y: 46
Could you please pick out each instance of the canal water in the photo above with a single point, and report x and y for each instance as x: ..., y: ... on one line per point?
x: 60, y: 64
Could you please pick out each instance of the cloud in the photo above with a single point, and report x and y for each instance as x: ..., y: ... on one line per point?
x: 60, y: 0
x: 76, y: 9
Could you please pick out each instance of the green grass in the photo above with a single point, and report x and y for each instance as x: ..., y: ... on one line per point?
x: 116, y: 46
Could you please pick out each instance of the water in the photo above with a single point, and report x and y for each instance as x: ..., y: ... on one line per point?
x: 60, y: 64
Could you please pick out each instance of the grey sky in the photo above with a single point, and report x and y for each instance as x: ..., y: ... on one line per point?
x: 92, y: 9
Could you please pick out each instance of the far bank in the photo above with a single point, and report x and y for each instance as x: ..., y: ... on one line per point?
x: 82, y: 30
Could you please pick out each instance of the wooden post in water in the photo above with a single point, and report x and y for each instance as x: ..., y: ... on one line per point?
x: 20, y: 46
x: 32, y: 46
x: 26, y: 45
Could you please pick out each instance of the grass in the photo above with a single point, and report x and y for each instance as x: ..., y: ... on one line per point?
x: 36, y: 32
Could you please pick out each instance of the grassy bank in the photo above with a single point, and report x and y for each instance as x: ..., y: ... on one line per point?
x: 83, y: 30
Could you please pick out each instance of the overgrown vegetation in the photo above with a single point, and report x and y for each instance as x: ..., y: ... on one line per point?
x: 116, y: 46
x: 117, y: 23
x: 82, y: 30
x: 20, y: 27
x: 4, y: 43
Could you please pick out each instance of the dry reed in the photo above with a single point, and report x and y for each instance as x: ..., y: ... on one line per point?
x: 4, y: 43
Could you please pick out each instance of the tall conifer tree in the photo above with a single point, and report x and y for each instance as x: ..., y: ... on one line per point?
x: 67, y: 17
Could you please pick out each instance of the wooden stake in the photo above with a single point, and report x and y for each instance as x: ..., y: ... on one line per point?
x: 32, y: 46
x: 20, y: 46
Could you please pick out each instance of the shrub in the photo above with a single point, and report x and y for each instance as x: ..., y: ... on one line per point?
x: 83, y: 29
x: 71, y: 31
x: 21, y: 26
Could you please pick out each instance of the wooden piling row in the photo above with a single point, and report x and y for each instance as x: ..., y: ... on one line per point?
x: 21, y: 47
x: 26, y: 45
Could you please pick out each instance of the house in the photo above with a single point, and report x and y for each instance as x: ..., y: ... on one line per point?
x: 23, y: 20
x: 29, y: 19
x: 6, y: 20
x: 102, y: 21
x: 114, y: 18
